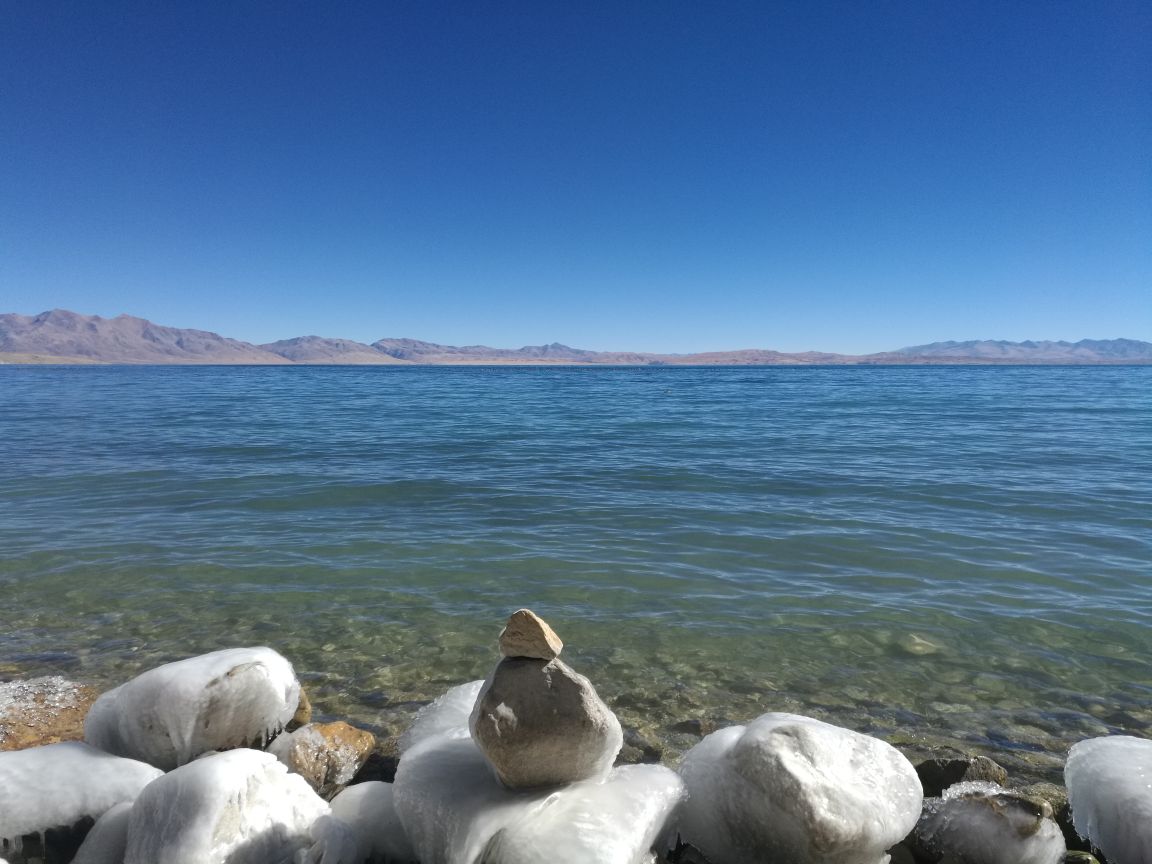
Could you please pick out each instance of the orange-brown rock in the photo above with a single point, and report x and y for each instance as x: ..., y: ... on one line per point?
x: 303, y: 715
x: 327, y: 755
x: 42, y: 711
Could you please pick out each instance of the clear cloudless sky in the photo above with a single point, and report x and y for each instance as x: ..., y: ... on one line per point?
x: 668, y: 176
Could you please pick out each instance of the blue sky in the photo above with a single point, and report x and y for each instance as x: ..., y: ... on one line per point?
x: 641, y: 175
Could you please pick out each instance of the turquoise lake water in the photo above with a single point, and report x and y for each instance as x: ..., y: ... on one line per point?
x: 930, y: 554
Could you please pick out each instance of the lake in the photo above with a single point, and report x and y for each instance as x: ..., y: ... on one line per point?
x: 935, y: 555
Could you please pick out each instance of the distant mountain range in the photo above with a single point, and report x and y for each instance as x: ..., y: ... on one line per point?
x: 60, y: 336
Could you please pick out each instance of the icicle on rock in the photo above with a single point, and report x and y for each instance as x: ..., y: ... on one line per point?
x: 794, y: 789
x: 170, y: 715
x: 1109, y: 784
x: 616, y: 821
x: 369, y: 810
x: 60, y: 784
x: 108, y: 839
x: 447, y: 715
x: 978, y: 822
x: 239, y: 807
x: 538, y: 721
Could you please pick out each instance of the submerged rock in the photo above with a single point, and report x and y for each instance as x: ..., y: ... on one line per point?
x: 170, y: 715
x: 239, y: 807
x: 327, y: 755
x: 540, y: 723
x: 981, y: 823
x: 60, y: 784
x: 1110, y: 790
x: 528, y: 635
x: 791, y: 788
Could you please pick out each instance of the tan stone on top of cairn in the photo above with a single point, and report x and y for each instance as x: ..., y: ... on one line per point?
x: 528, y: 635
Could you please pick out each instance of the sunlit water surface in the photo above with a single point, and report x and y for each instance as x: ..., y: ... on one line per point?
x: 929, y: 554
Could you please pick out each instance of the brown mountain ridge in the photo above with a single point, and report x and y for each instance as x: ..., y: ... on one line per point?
x: 61, y: 336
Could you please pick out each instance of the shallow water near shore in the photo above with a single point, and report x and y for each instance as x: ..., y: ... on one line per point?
x: 930, y: 554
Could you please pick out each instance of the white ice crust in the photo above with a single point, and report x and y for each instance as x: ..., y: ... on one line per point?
x: 792, y: 788
x: 239, y: 807
x: 170, y: 715
x: 614, y: 821
x: 448, y: 715
x: 108, y: 839
x: 455, y: 811
x: 59, y: 784
x: 971, y: 823
x: 1109, y: 784
x: 369, y: 810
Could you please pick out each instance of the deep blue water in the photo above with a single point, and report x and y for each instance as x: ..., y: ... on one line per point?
x: 960, y: 553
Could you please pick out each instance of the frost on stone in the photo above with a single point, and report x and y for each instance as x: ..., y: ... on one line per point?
x: 1109, y: 784
x: 982, y: 823
x: 170, y: 715
x: 455, y: 811
x: 795, y: 789
x: 447, y: 715
x: 239, y: 807
x: 108, y: 839
x: 333, y: 842
x: 369, y: 810
x: 450, y: 802
x: 614, y: 821
x: 60, y: 784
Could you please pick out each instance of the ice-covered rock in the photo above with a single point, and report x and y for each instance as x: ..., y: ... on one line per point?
x: 170, y: 715
x: 239, y: 807
x: 449, y: 801
x: 108, y: 839
x: 614, y: 821
x: 455, y: 811
x: 795, y: 789
x: 369, y: 810
x: 60, y: 784
x: 540, y: 723
x: 448, y: 715
x: 327, y: 755
x: 333, y: 842
x: 978, y: 822
x: 1109, y: 784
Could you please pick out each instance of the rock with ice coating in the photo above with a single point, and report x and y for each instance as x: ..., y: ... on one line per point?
x: 981, y: 823
x: 794, y: 789
x: 60, y: 784
x: 1109, y: 784
x: 108, y: 839
x: 614, y: 821
x: 448, y: 715
x: 239, y: 807
x: 369, y: 810
x: 540, y: 723
x: 454, y: 811
x: 170, y: 715
x: 327, y: 755
x: 528, y: 635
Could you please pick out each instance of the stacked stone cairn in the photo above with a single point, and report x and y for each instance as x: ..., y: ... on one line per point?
x: 212, y: 760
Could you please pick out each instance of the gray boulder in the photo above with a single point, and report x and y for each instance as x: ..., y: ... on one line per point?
x: 540, y: 723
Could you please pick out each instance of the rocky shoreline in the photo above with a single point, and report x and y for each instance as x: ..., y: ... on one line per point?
x: 530, y: 764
